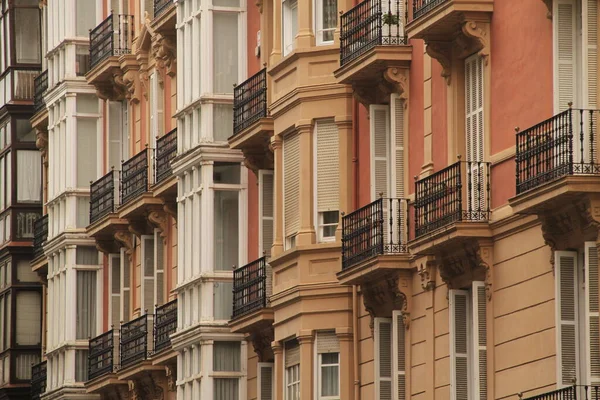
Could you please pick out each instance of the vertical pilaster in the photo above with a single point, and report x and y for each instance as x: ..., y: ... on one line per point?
x: 306, y: 340
x: 276, y: 33
x: 278, y: 371
x: 345, y: 335
x: 427, y: 167
x: 344, y: 124
x: 305, y: 37
x: 277, y: 147
x: 306, y: 234
x: 207, y: 385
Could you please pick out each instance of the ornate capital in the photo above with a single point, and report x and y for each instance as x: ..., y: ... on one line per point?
x: 171, y: 374
x: 398, y: 77
x: 478, y: 33
x: 164, y: 52
x: 159, y: 220
x: 131, y: 79
x: 125, y: 240
x: 442, y: 52
x: 426, y: 271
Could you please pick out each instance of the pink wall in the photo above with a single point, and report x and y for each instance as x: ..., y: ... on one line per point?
x: 439, y: 121
x: 416, y: 117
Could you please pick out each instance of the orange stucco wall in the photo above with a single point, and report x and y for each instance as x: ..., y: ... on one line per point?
x: 439, y: 122
x: 415, y: 117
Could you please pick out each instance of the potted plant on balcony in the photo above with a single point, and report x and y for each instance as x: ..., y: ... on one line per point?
x: 390, y: 19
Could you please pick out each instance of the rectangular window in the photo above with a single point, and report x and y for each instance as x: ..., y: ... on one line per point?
x: 25, y: 133
x: 86, y: 151
x: 328, y: 368
x: 225, y: 49
x: 148, y: 269
x: 29, y: 176
x: 226, y: 229
x: 29, y: 318
x: 81, y: 365
x: 226, y: 356
x: 227, y: 388
x: 326, y: 20
x: 223, y: 300
x: 266, y: 212
x: 222, y: 117
x: 86, y: 304
x: 265, y: 381
x: 27, y: 35
x: 114, y: 265
x: 390, y: 357
x: 290, y: 25
x: 292, y: 370
x: 327, y: 171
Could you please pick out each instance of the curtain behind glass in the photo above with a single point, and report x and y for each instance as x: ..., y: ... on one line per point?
x: 86, y: 255
x: 226, y: 356
x: 225, y: 57
x: 226, y: 388
x: 86, y: 304
x: 223, y: 300
x: 29, y: 176
x: 226, y: 230
x: 29, y: 318
x: 27, y: 31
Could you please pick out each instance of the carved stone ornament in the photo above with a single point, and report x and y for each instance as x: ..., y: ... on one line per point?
x: 41, y: 142
x: 171, y: 374
x: 478, y: 33
x: 398, y: 78
x: 261, y: 343
x: 382, y: 298
x: 119, y: 392
x: 132, y: 83
x: 548, y: 4
x: 164, y: 50
x: 115, y: 89
x: 259, y: 4
x: 427, y: 273
x: 125, y: 239
x: 442, y: 52
x: 146, y: 387
x: 159, y: 220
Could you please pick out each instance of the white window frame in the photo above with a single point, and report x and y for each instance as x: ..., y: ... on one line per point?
x: 111, y: 258
x: 292, y: 384
x: 319, y: 372
x: 259, y: 378
x: 321, y: 227
x: 287, y: 35
x: 319, y: 30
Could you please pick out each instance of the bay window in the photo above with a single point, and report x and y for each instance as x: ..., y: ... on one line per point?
x: 29, y: 176
x: 290, y: 25
x: 328, y: 365
x: 226, y: 358
x: 225, y: 51
x: 27, y: 34
x: 292, y: 370
x: 5, y: 180
x: 326, y: 20
x: 28, y: 318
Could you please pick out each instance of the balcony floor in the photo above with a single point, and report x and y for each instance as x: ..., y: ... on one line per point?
x: 374, y: 269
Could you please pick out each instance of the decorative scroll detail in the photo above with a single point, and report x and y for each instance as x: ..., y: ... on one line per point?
x: 171, y: 209
x: 115, y: 89
x: 261, y: 343
x: 146, y: 387
x: 479, y: 35
x: 171, y: 374
x: 442, y: 52
x: 41, y: 142
x: 427, y: 273
x: 398, y: 78
x: 159, y: 219
x: 119, y: 392
x: 548, y: 4
x: 383, y: 297
x: 164, y: 51
x: 485, y: 258
x: 105, y: 246
x: 125, y: 240
x: 131, y: 79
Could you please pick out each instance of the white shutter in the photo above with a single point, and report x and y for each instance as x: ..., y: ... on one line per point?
x: 265, y: 381
x: 459, y: 344
x: 380, y: 128
x: 328, y: 165
x: 474, y: 128
x: 383, y: 358
x: 327, y: 342
x: 566, y: 309
x: 399, y: 356
x: 114, y: 262
x: 592, y: 312
x: 266, y: 204
x: 159, y: 272
x: 479, y: 340
x: 589, y: 66
x: 397, y: 171
x: 148, y: 267
x: 291, y: 183
x: 125, y: 287
x: 115, y: 124
x: 565, y: 25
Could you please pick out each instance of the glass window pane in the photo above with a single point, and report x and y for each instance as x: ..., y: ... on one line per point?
x: 27, y: 31
x: 86, y: 152
x: 330, y: 381
x: 25, y: 273
x: 29, y: 318
x: 86, y: 304
x: 87, y: 104
x: 226, y: 230
x: 226, y: 388
x: 86, y: 17
x: 225, y: 57
x: 226, y: 356
x: 223, y: 300
x: 226, y: 3
x: 29, y: 176
x: 25, y: 133
x: 226, y: 173
x: 223, y: 121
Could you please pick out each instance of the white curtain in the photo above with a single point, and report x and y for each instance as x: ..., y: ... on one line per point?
x: 86, y: 304
x: 81, y: 365
x: 226, y: 230
x: 29, y: 176
x: 226, y: 356
x: 225, y: 57
x: 227, y: 388
x: 23, y: 363
x: 27, y: 32
x: 223, y: 300
x: 29, y: 318
x: 86, y: 255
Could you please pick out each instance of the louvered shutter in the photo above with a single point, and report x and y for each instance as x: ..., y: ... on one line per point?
x: 565, y: 25
x: 148, y: 266
x: 265, y: 381
x: 327, y: 342
x: 159, y: 275
x: 291, y: 186
x: 479, y: 340
x: 474, y: 128
x: 383, y: 358
x: 459, y: 344
x: 292, y: 353
x: 265, y: 183
x: 399, y: 356
x: 592, y: 312
x: 328, y: 166
x: 125, y: 286
x: 114, y: 261
x: 590, y: 72
x: 380, y: 128
x: 566, y: 303
x: 400, y: 208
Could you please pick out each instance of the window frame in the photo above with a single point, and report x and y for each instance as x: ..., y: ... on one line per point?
x: 321, y: 226
x: 292, y: 384
x: 318, y: 23
x: 287, y: 34
x: 320, y: 367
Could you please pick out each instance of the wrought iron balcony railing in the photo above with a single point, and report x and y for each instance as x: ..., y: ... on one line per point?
x: 40, y: 235
x: 134, y: 178
x: 38, y: 380
x: 166, y: 150
x: 251, y: 287
x: 102, y: 354
x: 250, y: 101
x: 422, y: 7
x: 375, y: 229
x: 103, y: 196
x: 165, y: 323
x: 562, y: 145
x: 40, y: 85
x: 160, y: 6
x: 369, y: 24
x: 583, y: 392
x: 136, y: 341
x: 112, y: 37
x: 460, y: 192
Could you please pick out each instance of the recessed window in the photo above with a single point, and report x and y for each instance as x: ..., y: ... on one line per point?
x: 326, y: 20
x: 290, y: 25
x: 328, y: 222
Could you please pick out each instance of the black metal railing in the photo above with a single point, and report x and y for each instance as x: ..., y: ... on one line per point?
x: 40, y: 235
x: 102, y: 196
x: 250, y: 287
x: 575, y: 392
x: 375, y: 229
x: 250, y: 101
x: 366, y: 25
x: 422, y: 7
x: 112, y: 37
x: 562, y: 145
x: 38, y: 380
x: 101, y: 355
x: 134, y: 176
x: 40, y: 85
x: 459, y: 192
x: 165, y: 323
x: 160, y: 6
x: 166, y: 150
x: 134, y: 341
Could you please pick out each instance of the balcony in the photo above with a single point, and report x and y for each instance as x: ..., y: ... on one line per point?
x: 165, y: 324
x: 40, y: 85
x: 136, y: 341
x: 440, y: 20
x: 374, y: 241
x: 251, y: 292
x: 371, y: 42
x: 452, y: 206
x: 38, y: 380
x: 166, y: 150
x: 134, y: 177
x: 556, y: 162
x: 591, y: 392
x: 161, y: 6
x: 102, y: 355
x: 40, y: 235
x: 165, y: 18
x: 252, y: 128
x: 103, y: 199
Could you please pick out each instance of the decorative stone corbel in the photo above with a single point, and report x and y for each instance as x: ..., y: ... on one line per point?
x: 146, y: 387
x: 105, y: 246
x: 549, y: 241
x: 399, y: 80
x: 364, y: 95
x: 259, y: 4
x: 164, y: 51
x: 131, y: 79
x: 143, y: 78
x: 171, y: 374
x: 478, y: 32
x: 159, y: 220
x: 41, y: 142
x: 171, y: 209
x: 120, y: 392
x: 125, y: 240
x: 427, y: 273
x: 442, y: 52
x: 548, y: 4
x: 115, y: 89
x: 486, y: 260
x: 372, y: 296
x: 261, y: 341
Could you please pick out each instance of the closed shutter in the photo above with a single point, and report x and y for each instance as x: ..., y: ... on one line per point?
x: 328, y: 166
x: 479, y: 340
x: 459, y: 344
x: 291, y: 177
x: 115, y: 124
x: 399, y: 354
x: 114, y: 261
x: 474, y: 128
x: 327, y: 342
x: 159, y: 276
x: 148, y: 265
x: 265, y: 381
x: 566, y: 281
x: 383, y: 358
x: 565, y: 32
x: 380, y: 128
x: 592, y: 311
x: 292, y: 353
x: 266, y: 203
x: 400, y: 208
x: 590, y: 66
x: 125, y: 287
